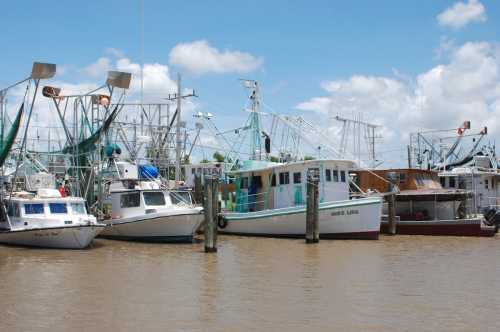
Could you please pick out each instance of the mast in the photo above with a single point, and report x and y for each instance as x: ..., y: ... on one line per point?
x: 255, y: 126
x: 2, y: 116
x: 178, y: 132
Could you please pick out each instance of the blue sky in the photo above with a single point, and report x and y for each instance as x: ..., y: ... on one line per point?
x: 301, y: 44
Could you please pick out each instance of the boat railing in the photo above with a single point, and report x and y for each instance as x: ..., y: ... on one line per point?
x: 246, y: 202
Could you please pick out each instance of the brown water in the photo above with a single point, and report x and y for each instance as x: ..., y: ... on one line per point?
x: 394, y: 284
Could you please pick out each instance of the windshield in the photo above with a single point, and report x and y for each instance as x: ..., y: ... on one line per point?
x: 78, y: 208
x: 154, y: 198
x: 180, y: 197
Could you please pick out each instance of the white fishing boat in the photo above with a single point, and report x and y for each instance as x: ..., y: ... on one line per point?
x: 140, y: 208
x: 46, y: 219
x: 269, y: 200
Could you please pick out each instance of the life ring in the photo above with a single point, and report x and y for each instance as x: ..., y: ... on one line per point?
x: 222, y: 222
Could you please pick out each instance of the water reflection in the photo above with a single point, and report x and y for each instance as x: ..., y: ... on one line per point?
x: 396, y: 283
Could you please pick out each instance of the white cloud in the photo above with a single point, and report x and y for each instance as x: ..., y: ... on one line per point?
x: 98, y: 68
x: 157, y: 85
x: 466, y: 88
x: 200, y: 57
x: 461, y: 13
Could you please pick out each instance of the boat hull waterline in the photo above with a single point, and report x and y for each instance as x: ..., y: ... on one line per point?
x: 468, y: 227
x: 155, y: 227
x: 352, y: 219
x: 67, y: 237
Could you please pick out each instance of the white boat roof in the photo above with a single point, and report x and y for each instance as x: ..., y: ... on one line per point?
x: 457, y: 171
x: 26, y: 199
x: 259, y: 166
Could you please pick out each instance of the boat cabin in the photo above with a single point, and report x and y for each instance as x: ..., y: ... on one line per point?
x: 142, y: 197
x: 421, y: 196
x: 261, y: 185
x: 406, y: 179
x: 47, y: 209
x: 484, y: 184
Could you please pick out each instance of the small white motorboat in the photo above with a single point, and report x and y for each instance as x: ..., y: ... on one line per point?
x: 143, y: 210
x: 48, y: 220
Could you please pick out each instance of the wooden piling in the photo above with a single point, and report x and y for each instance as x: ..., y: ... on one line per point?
x: 391, y: 202
x: 198, y: 189
x: 312, y: 209
x: 211, y: 209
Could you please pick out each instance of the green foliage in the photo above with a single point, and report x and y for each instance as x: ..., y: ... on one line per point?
x: 309, y: 157
x: 219, y: 157
x: 204, y: 161
x: 274, y: 159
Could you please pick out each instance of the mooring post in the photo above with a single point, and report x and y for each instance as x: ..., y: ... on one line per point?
x: 198, y: 189
x: 211, y: 207
x: 312, y: 209
x: 391, y: 202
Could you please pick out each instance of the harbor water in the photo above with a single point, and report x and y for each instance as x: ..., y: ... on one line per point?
x: 398, y: 283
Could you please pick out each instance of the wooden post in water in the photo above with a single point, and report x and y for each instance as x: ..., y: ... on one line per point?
x: 211, y: 208
x: 312, y: 209
x: 198, y: 189
x: 391, y: 202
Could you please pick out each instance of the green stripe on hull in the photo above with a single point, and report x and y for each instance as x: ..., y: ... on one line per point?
x: 299, y: 209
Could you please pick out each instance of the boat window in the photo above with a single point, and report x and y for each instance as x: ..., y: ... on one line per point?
x: 342, y: 176
x: 284, y: 178
x: 154, y: 198
x: 180, y: 197
x: 335, y: 175
x: 13, y: 210
x: 443, y: 181
x: 58, y: 208
x: 452, y: 182
x: 273, y: 180
x: 485, y: 184
x: 402, y: 177
x: 244, y: 183
x: 296, y: 177
x: 33, y: 208
x: 328, y: 175
x: 78, y: 208
x: 130, y: 200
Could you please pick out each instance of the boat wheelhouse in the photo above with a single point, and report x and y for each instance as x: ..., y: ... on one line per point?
x: 269, y: 199
x: 482, y: 182
x: 46, y: 219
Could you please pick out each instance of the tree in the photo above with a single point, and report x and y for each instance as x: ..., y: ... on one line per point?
x: 274, y: 159
x: 306, y: 157
x: 219, y: 157
x: 204, y: 161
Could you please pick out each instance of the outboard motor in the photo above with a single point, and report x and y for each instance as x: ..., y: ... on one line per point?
x: 492, y: 217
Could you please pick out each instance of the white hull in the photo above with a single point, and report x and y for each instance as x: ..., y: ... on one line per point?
x: 68, y: 237
x: 352, y: 219
x: 155, y: 227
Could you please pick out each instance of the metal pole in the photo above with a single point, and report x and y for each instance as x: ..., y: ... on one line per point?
x: 409, y: 157
x: 211, y: 208
x: 391, y: 201
x: 312, y: 209
x: 178, y: 132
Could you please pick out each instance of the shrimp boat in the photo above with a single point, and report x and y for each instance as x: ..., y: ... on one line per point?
x: 46, y: 219
x: 32, y: 211
x: 268, y: 199
x: 139, y: 208
x: 265, y: 198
